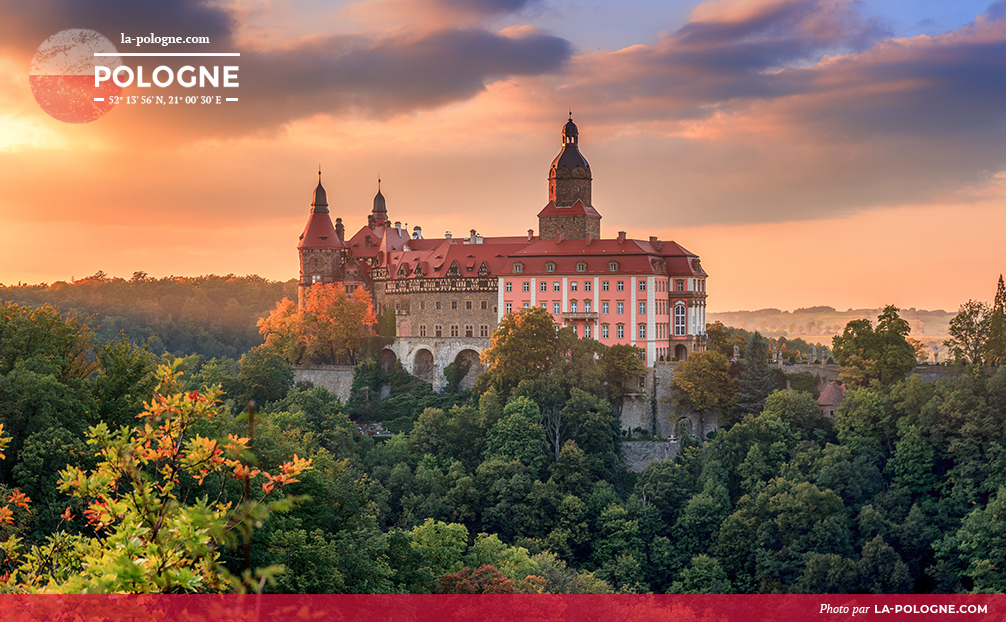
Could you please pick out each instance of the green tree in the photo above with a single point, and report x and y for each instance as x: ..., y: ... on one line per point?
x: 148, y: 537
x: 995, y: 344
x: 703, y: 384
x: 524, y: 346
x: 882, y: 355
x: 969, y: 332
x: 755, y: 382
x: 623, y: 366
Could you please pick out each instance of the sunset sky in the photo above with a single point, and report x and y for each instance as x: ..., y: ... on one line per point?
x: 812, y: 152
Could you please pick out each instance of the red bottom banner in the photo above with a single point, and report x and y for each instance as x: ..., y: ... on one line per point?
x: 497, y: 608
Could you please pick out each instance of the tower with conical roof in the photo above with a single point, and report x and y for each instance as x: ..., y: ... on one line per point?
x: 569, y: 212
x: 320, y: 247
x: 380, y: 211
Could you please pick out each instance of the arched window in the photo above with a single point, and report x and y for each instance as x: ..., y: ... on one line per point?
x: 679, y: 319
x: 612, y: 266
x: 550, y: 266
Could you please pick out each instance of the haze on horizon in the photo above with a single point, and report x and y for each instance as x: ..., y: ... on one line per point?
x: 812, y: 152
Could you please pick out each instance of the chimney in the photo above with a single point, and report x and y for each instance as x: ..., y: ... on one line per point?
x: 621, y: 237
x: 417, y: 233
x: 590, y: 238
x: 478, y: 238
x: 653, y: 239
x: 340, y: 230
x: 471, y: 237
x: 530, y: 235
x: 447, y: 235
x: 398, y: 227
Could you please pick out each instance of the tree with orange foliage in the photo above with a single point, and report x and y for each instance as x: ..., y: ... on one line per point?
x: 327, y: 326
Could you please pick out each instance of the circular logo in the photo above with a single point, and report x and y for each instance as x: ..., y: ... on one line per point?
x: 62, y: 75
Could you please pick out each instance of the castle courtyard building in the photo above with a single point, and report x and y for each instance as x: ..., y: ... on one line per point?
x: 450, y: 293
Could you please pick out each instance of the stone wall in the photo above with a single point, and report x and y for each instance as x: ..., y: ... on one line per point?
x: 638, y: 454
x: 336, y: 378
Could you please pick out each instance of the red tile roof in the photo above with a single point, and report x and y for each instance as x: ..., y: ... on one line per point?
x: 576, y: 209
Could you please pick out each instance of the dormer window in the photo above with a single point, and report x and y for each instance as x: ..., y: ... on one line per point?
x: 612, y: 266
x: 581, y: 266
x: 550, y: 266
x: 518, y: 266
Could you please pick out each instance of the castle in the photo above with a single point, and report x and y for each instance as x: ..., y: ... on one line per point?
x: 449, y: 293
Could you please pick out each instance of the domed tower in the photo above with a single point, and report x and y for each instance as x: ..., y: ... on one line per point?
x: 380, y: 212
x: 320, y: 247
x: 569, y: 211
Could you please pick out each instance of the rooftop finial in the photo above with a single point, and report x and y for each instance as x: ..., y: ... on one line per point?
x: 570, y: 114
x: 319, y: 173
x: 378, y: 182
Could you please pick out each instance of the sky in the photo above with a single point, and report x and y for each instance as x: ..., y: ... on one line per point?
x: 811, y: 152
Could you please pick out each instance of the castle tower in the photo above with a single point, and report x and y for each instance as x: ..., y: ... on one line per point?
x: 569, y: 212
x: 380, y: 212
x: 320, y: 248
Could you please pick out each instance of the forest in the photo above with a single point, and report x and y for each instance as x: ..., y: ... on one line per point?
x: 131, y: 470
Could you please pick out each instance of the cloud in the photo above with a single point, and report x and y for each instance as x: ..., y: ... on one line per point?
x: 805, y: 109
x: 372, y: 75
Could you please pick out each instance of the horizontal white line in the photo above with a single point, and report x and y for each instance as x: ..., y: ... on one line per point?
x: 167, y: 54
x: 99, y: 99
x: 231, y: 99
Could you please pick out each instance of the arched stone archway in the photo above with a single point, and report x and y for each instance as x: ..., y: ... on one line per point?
x: 423, y: 366
x: 684, y: 424
x: 681, y: 352
x: 469, y: 358
x: 388, y: 359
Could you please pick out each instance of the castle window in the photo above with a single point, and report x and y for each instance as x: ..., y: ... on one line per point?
x: 509, y: 307
x: 543, y: 286
x: 437, y: 305
x: 549, y: 266
x: 642, y: 331
x: 438, y: 331
x: 586, y: 306
x: 314, y: 261
x: 422, y: 330
x: 525, y: 286
x: 485, y: 304
x: 574, y: 330
x: 556, y: 286
x: 619, y: 308
x: 316, y: 278
x: 586, y: 331
x: 620, y: 331
x: 679, y: 286
x: 454, y: 330
x: 518, y: 266
x: 572, y: 306
x: 468, y: 304
x: 555, y: 308
x: 525, y: 306
x: 422, y: 305
x: 604, y: 331
x: 508, y: 287
x: 604, y: 286
x: 572, y: 286
x: 612, y: 266
x: 454, y: 304
x: 679, y: 319
x: 642, y: 308
x: 620, y: 286
x: 642, y: 286
x: 581, y: 266
x: 469, y: 330
x: 484, y: 330
x: 586, y: 286
x: 604, y: 308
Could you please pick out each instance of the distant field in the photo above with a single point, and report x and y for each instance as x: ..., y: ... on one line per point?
x: 820, y: 324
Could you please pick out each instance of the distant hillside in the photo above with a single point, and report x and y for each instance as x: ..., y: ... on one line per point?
x: 210, y: 315
x: 820, y: 324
